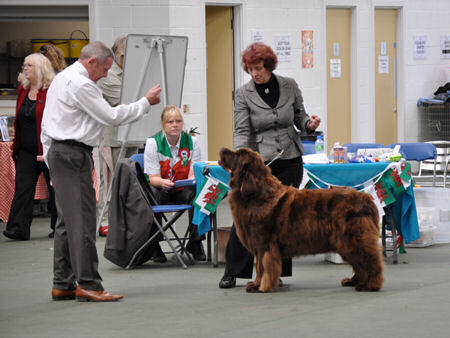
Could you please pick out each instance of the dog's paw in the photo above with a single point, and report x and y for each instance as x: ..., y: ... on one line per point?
x: 251, y: 287
x: 348, y: 282
x: 367, y: 288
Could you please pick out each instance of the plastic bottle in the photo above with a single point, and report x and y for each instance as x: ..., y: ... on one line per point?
x: 319, y: 145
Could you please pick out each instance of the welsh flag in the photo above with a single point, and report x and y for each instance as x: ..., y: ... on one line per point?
x: 383, y: 192
x: 210, y: 195
x: 392, y: 176
x: 405, y: 173
x: 370, y: 189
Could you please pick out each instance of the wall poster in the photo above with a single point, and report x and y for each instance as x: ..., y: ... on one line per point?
x: 307, y: 49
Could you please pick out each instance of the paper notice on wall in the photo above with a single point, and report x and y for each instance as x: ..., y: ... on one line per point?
x: 335, y: 68
x: 283, y: 47
x: 445, y: 47
x: 257, y: 35
x: 307, y: 49
x: 383, y: 64
x: 336, y: 49
x: 420, y: 47
x: 383, y: 48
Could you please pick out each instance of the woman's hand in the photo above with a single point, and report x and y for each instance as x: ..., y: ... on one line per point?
x: 40, y: 158
x: 166, y: 184
x: 313, y: 122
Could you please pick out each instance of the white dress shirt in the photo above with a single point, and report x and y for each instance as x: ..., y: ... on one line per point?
x: 76, y: 110
x: 151, y: 157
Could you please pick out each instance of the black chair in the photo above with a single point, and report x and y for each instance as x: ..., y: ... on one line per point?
x: 166, y: 228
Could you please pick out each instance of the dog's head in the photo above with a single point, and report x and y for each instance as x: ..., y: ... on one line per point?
x: 248, y: 172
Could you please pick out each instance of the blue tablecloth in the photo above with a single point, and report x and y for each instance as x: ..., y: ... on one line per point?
x: 216, y: 171
x: 349, y: 174
x: 355, y: 174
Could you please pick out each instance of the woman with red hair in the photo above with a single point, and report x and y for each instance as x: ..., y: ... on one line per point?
x: 266, y: 110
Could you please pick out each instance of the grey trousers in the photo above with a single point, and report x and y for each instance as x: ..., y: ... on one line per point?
x: 75, y: 253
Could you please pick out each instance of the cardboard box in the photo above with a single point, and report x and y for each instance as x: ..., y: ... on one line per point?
x: 223, y: 234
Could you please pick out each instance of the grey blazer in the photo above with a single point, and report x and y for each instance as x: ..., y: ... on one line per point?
x: 267, y: 130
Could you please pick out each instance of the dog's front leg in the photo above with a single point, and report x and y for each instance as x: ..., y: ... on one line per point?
x: 254, y: 285
x: 271, y: 268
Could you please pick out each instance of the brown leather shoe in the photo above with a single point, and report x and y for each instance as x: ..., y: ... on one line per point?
x: 84, y: 295
x: 63, y: 294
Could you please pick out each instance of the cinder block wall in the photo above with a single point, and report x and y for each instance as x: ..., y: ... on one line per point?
x: 417, y: 78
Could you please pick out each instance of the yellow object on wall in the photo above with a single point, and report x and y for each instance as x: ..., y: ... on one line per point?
x: 76, y: 45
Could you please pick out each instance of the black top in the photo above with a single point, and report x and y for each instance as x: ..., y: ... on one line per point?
x: 269, y: 92
x: 27, y: 125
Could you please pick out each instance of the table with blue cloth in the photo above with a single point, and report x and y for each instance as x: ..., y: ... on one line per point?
x: 355, y: 174
x: 348, y: 174
x: 203, y: 221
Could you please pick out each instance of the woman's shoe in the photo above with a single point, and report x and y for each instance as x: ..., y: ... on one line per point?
x: 195, y: 248
x: 14, y: 235
x: 158, y: 255
x: 227, y: 282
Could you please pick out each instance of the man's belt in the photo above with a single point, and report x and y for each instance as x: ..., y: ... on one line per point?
x: 75, y: 144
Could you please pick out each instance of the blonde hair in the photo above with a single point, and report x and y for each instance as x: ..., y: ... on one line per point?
x: 169, y: 111
x: 55, y: 55
x: 42, y: 68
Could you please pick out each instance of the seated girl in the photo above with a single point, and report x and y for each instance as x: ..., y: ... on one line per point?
x: 169, y: 156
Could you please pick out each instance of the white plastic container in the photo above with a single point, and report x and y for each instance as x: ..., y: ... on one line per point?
x: 426, y: 227
x: 426, y: 238
x: 333, y: 257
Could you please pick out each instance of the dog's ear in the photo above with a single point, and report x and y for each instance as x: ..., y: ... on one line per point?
x: 249, y: 186
x: 250, y: 179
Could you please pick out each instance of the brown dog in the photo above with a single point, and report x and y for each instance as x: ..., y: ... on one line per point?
x: 274, y: 221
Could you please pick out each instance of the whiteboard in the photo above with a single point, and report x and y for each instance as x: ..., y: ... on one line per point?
x: 147, y: 59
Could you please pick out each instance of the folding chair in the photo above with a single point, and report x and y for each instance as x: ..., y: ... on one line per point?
x: 418, y: 151
x: 442, y: 162
x: 167, y: 224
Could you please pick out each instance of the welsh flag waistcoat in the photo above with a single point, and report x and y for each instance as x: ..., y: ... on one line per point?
x: 180, y: 169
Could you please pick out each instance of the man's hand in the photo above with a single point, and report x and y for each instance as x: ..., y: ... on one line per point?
x: 153, y: 95
x: 313, y: 122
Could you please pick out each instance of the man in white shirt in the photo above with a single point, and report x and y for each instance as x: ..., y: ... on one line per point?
x: 74, y: 116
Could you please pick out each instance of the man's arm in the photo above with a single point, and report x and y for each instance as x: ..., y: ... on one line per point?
x: 91, y: 101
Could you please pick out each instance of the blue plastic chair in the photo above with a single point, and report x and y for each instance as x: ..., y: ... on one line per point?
x: 309, y: 147
x: 353, y: 147
x: 138, y: 158
x: 167, y: 225
x: 418, y: 151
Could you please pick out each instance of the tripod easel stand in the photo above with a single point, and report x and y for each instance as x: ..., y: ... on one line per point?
x: 152, y: 44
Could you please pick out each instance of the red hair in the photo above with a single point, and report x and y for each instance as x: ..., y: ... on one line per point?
x: 258, y: 52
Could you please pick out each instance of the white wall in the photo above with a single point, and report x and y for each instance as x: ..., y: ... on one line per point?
x: 111, y: 18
